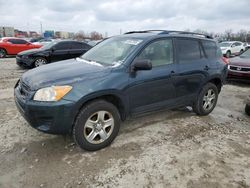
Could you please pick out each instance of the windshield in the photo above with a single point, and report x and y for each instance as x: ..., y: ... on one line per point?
x: 246, y: 53
x: 225, y: 44
x: 112, y: 51
x: 48, y: 46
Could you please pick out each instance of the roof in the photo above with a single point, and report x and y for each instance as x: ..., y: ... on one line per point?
x: 168, y: 33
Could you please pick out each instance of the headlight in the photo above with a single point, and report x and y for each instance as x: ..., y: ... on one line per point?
x: 25, y: 57
x: 53, y: 93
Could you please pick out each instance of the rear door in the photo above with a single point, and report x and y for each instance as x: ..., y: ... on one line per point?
x: 61, y: 51
x: 191, y: 69
x: 77, y: 49
x: 153, y: 89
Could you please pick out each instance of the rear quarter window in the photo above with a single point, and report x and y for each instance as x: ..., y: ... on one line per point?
x: 188, y: 50
x: 211, y: 49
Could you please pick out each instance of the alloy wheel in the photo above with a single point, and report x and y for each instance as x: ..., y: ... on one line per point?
x: 40, y: 62
x: 209, y: 100
x: 99, y: 127
x: 2, y: 53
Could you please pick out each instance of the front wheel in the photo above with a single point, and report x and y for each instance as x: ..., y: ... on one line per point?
x: 40, y: 61
x: 207, y: 100
x: 97, y: 125
x: 2, y: 53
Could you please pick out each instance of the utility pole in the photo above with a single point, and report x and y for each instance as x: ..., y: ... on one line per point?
x: 41, y: 26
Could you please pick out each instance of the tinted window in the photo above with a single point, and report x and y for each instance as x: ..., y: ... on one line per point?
x: 17, y: 41
x: 210, y: 48
x: 188, y: 49
x: 159, y: 52
x: 62, y: 46
x: 79, y: 45
x: 238, y: 44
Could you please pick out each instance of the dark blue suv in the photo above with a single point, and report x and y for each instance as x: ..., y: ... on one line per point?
x: 121, y: 77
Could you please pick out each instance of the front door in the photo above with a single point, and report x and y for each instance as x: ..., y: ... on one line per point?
x: 153, y: 89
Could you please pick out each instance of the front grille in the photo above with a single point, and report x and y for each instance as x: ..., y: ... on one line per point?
x: 239, y: 68
x: 24, y: 89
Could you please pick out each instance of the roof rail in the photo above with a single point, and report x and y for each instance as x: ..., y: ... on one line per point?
x: 172, y: 32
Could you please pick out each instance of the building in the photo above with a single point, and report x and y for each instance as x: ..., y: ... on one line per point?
x: 49, y: 34
x: 7, y: 32
x: 62, y: 34
x: 33, y: 34
x: 20, y: 34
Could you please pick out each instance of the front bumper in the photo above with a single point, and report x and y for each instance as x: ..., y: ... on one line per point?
x: 50, y: 117
x: 24, y: 62
x: 237, y: 75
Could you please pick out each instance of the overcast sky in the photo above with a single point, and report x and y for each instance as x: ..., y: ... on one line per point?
x: 112, y: 15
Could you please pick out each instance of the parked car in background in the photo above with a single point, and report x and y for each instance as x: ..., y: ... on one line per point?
x: 239, y: 67
x: 32, y: 40
x: 229, y: 48
x: 12, y: 46
x: 247, y: 45
x: 44, y: 41
x: 94, y: 42
x: 124, y: 76
x: 52, y: 52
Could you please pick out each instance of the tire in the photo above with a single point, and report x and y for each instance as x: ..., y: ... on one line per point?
x: 206, y: 100
x: 247, y: 109
x: 228, y: 54
x: 3, y: 53
x: 89, y: 130
x: 40, y: 61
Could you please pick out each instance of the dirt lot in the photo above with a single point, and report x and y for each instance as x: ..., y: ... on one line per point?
x: 166, y: 149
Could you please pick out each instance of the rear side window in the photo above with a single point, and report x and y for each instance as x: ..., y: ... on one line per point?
x: 63, y: 46
x: 17, y: 41
x: 79, y: 45
x: 210, y: 48
x: 188, y: 50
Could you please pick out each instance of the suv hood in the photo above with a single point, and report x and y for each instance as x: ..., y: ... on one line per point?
x: 240, y: 61
x: 63, y: 72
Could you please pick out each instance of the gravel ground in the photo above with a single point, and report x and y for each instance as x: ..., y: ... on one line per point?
x: 165, y: 149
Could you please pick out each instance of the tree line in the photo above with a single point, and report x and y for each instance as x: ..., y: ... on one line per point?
x: 228, y: 35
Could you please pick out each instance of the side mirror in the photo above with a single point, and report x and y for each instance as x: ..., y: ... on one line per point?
x: 142, y: 64
x: 233, y: 45
x: 53, y: 49
x: 28, y: 43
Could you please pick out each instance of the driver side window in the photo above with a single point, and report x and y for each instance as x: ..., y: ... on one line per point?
x: 159, y: 53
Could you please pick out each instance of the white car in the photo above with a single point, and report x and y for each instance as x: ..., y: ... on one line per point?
x: 44, y: 41
x: 232, y: 48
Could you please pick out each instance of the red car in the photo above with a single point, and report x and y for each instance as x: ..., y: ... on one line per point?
x: 239, y: 67
x: 12, y: 46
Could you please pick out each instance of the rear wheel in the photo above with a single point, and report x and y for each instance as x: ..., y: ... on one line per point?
x: 2, y: 53
x: 40, y: 61
x: 97, y: 125
x: 206, y: 100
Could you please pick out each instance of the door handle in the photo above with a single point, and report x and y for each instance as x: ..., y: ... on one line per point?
x: 206, y: 68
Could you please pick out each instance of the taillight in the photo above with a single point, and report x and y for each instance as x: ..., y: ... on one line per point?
x: 225, y: 60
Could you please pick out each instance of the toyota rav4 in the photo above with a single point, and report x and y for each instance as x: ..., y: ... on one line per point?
x: 122, y: 77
